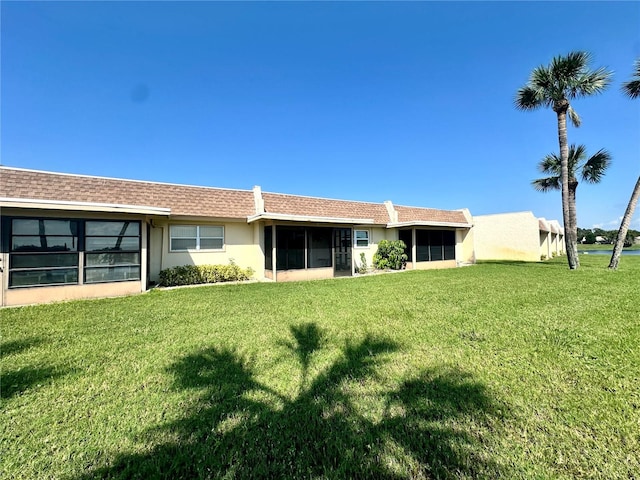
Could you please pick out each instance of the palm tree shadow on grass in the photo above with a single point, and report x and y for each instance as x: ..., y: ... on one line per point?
x: 320, y: 433
x: 14, y: 381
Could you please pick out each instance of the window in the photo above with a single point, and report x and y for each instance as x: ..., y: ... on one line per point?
x: 43, y: 252
x: 435, y: 245
x: 196, y: 237
x: 112, y: 251
x: 362, y: 238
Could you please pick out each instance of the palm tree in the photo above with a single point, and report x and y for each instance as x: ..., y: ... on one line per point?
x: 591, y: 170
x: 564, y: 79
x: 632, y: 90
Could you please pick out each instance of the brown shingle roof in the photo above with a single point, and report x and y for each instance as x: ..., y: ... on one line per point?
x: 324, y: 207
x: 181, y: 199
x: 200, y: 201
x: 542, y: 225
x: 417, y: 214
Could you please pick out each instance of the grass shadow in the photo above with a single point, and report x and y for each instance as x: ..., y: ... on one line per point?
x: 232, y: 431
x: 518, y: 263
x: 17, y: 346
x: 16, y: 382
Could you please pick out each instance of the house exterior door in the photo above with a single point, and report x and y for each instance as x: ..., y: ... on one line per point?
x: 342, y: 252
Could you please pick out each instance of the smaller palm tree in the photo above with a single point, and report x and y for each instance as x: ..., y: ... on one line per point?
x: 632, y: 90
x: 590, y: 170
x: 632, y: 87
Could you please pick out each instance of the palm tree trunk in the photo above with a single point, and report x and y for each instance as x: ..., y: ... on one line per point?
x: 570, y: 230
x: 573, y: 216
x: 624, y: 227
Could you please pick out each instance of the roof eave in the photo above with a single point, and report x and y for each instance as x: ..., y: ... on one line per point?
x: 424, y: 223
x: 35, y: 203
x: 309, y: 219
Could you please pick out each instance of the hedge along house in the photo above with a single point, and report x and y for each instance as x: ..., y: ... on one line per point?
x: 70, y: 236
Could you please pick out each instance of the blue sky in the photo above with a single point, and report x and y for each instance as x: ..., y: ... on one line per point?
x: 404, y: 101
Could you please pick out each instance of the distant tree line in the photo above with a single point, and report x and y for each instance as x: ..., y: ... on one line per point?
x: 590, y: 236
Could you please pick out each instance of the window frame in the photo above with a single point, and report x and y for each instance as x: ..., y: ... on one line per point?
x: 77, y: 268
x: 96, y: 267
x: 356, y: 239
x: 435, y: 245
x: 15, y: 254
x: 197, y: 238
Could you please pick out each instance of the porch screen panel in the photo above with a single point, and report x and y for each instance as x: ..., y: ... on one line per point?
x: 112, y: 251
x: 422, y: 245
x: 43, y: 252
x: 290, y: 248
x: 268, y: 248
x: 436, y: 249
x: 405, y: 236
x: 449, y: 242
x: 319, y: 247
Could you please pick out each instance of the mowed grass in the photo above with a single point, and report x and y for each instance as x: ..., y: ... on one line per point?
x: 502, y: 369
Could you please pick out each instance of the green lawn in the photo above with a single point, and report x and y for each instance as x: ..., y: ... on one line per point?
x: 503, y: 369
x: 585, y: 246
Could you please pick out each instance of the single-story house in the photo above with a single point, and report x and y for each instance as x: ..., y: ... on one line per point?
x: 516, y: 236
x: 67, y: 236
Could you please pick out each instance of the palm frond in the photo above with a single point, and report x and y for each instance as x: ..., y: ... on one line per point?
x: 546, y: 184
x: 632, y: 88
x: 550, y: 165
x: 529, y: 98
x: 574, y: 117
x: 576, y: 154
x: 590, y: 82
x: 570, y: 65
x: 595, y: 167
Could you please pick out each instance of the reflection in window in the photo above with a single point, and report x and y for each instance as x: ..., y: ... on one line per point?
x: 43, y: 252
x: 112, y: 251
x: 362, y: 238
x: 46, y: 251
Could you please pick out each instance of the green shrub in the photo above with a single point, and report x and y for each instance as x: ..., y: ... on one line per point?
x: 363, y: 268
x: 390, y: 255
x: 197, y: 274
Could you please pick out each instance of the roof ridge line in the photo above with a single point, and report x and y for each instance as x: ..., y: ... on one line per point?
x: 98, y: 177
x: 381, y: 204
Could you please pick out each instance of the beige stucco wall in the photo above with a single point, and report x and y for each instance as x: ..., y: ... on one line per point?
x: 434, y: 265
x: 545, y: 244
x: 301, y: 274
x: 241, y: 244
x: 465, y: 241
x: 56, y: 293
x: 507, y: 236
x: 375, y: 235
